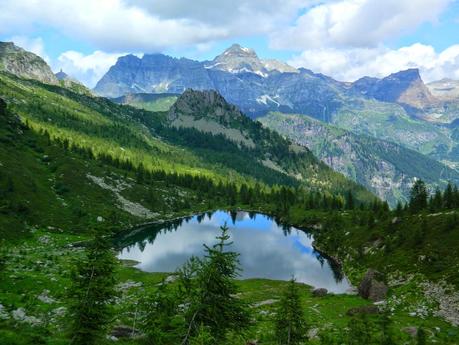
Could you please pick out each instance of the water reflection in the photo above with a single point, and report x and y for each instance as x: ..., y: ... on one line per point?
x: 268, y: 249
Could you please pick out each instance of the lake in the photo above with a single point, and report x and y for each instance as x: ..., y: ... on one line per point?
x: 267, y: 249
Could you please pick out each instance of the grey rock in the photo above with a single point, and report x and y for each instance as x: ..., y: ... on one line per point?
x: 24, y: 64
x: 321, y: 292
x: 372, y: 286
x: 412, y: 330
x: 123, y: 331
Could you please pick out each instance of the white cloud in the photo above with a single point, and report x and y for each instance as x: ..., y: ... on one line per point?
x: 148, y: 26
x: 86, y: 68
x: 34, y: 45
x: 352, y: 63
x: 356, y: 23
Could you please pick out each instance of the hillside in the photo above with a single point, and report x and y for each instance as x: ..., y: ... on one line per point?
x: 20, y: 62
x: 147, y: 139
x: 385, y: 168
x: 68, y: 190
x: 148, y: 101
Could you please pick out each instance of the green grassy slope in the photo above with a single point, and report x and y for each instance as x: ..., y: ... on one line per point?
x: 145, y: 138
x: 42, y: 184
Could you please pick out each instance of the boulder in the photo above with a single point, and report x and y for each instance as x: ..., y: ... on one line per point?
x: 372, y: 286
x: 412, y: 330
x: 321, y: 292
x: 366, y: 309
x: 122, y: 331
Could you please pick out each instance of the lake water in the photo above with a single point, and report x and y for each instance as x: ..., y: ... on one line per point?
x: 267, y: 249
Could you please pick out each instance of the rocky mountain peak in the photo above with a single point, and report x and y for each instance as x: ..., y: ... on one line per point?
x: 409, y: 75
x: 237, y: 59
x: 24, y: 64
x: 404, y: 87
x: 239, y: 51
x: 200, y: 104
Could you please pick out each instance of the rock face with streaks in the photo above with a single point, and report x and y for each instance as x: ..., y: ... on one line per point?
x: 24, y: 64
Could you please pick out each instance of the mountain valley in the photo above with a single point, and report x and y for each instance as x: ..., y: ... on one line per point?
x: 356, y: 181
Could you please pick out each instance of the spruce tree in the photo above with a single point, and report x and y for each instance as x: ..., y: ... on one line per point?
x: 91, y: 292
x: 290, y: 325
x: 162, y: 323
x: 210, y: 292
x: 418, y: 197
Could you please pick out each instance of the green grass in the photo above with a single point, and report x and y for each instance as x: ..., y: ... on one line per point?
x: 44, y: 261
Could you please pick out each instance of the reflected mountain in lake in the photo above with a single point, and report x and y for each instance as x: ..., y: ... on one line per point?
x: 267, y: 249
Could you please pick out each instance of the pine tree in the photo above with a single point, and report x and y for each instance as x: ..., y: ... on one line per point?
x: 210, y: 291
x: 163, y: 324
x: 290, y: 325
x: 448, y: 197
x: 418, y: 197
x: 387, y: 337
x: 349, y: 201
x: 91, y: 292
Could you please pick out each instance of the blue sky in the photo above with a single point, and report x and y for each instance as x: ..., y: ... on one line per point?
x: 342, y: 38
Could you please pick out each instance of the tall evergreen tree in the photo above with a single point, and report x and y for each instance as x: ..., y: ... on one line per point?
x: 210, y: 291
x: 91, y: 292
x: 290, y: 325
x: 418, y: 197
x: 163, y: 323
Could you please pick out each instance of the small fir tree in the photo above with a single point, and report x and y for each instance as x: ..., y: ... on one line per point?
x: 290, y: 325
x: 92, y: 290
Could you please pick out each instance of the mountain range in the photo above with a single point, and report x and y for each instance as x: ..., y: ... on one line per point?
x: 398, y: 109
x: 382, y: 133
x: 202, y: 134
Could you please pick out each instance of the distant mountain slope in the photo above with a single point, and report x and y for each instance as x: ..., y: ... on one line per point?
x: 405, y: 88
x: 147, y: 138
x: 398, y: 108
x: 208, y: 111
x: 385, y: 168
x: 24, y: 64
x: 71, y: 83
x: 445, y: 89
x: 148, y: 101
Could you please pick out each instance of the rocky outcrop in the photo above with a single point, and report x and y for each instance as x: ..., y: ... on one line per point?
x: 24, y: 64
x: 404, y: 87
x: 320, y: 292
x: 372, y: 286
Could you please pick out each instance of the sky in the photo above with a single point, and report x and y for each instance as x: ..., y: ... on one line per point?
x: 346, y: 39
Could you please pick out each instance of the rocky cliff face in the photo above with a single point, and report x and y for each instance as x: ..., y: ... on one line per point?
x: 24, y: 64
x: 237, y: 59
x: 405, y: 88
x: 383, y: 167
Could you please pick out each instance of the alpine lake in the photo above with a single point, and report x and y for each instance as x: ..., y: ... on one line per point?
x: 267, y: 249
